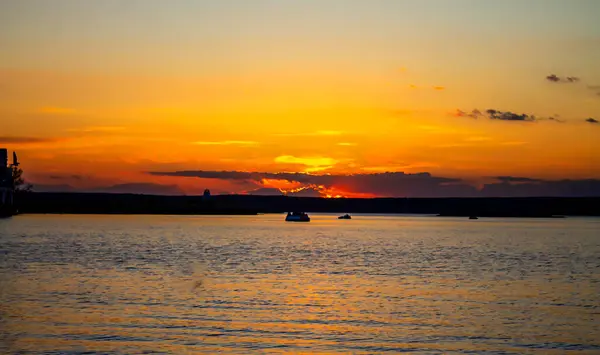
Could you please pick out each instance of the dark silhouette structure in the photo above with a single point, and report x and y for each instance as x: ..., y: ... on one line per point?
x: 245, y: 204
x: 7, y: 183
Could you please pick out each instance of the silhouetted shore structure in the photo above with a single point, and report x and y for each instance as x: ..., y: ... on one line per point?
x: 7, y: 184
x: 101, y: 203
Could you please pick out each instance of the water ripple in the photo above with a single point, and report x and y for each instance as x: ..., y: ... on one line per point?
x: 253, y: 284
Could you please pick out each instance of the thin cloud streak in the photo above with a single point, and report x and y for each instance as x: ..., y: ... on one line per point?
x: 316, y: 133
x: 99, y: 129
x: 25, y: 140
x: 54, y: 110
x: 242, y: 143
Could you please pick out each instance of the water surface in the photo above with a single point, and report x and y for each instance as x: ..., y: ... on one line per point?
x: 255, y: 284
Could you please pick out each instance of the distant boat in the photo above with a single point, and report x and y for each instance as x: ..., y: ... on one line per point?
x: 473, y: 217
x: 297, y: 217
x: 346, y: 216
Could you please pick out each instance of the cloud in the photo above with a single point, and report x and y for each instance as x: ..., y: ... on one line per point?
x: 478, y: 139
x: 435, y: 87
x: 510, y: 186
x: 494, y: 114
x: 399, y: 167
x: 508, y: 116
x: 25, y: 140
x: 395, y: 184
x: 515, y: 179
x: 66, y: 177
x: 54, y: 110
x: 513, y: 143
x: 556, y: 79
x: 473, y: 114
x: 329, y: 133
x: 572, y: 80
x: 403, y: 112
x: 316, y: 133
x: 98, y: 129
x: 595, y: 89
x: 554, y: 119
x: 241, y: 143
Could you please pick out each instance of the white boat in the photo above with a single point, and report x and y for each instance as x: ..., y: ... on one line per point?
x: 297, y: 217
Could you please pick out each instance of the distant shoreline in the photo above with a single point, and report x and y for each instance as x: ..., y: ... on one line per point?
x: 113, y: 204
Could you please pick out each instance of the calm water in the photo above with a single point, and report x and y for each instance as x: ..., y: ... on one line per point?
x: 240, y: 285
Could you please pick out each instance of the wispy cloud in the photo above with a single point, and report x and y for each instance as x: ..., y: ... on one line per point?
x: 478, y: 139
x: 399, y: 167
x: 98, y: 129
x: 595, y: 89
x: 496, y: 115
x: 453, y: 145
x: 54, y: 110
x: 509, y: 116
x: 241, y: 143
x: 434, y: 87
x: 316, y: 133
x: 403, y: 112
x: 436, y: 129
x: 329, y: 133
x: 25, y: 140
x: 289, y: 159
x: 513, y: 143
x: 557, y: 79
x: 473, y: 113
x: 572, y: 80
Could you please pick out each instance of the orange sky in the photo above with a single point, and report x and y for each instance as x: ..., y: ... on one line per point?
x: 86, y: 104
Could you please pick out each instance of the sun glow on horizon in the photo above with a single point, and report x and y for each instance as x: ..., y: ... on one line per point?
x: 210, y: 87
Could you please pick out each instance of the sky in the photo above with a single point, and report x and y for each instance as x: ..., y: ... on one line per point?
x: 361, y: 98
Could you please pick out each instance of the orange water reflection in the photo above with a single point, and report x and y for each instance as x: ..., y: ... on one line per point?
x: 329, y: 305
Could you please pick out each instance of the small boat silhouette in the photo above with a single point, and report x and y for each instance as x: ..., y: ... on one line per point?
x: 297, y: 217
x: 473, y: 217
x: 346, y: 216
